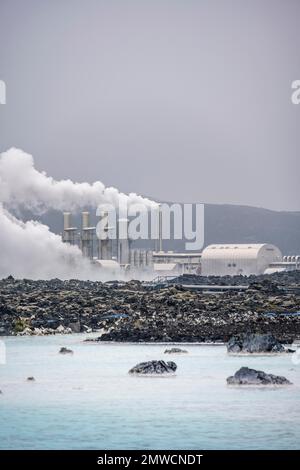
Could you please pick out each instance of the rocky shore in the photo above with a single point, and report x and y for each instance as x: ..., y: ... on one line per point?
x: 134, y: 312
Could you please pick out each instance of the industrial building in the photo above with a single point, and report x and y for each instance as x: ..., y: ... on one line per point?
x: 170, y: 262
x: 235, y: 259
x: 119, y: 258
x: 288, y: 263
x: 113, y: 255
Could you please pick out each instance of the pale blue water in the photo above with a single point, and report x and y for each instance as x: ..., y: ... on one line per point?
x: 88, y: 401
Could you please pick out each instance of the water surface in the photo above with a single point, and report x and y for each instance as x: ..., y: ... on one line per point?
x: 88, y: 400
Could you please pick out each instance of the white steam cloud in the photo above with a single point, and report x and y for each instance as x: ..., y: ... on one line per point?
x: 30, y: 250
x: 22, y: 185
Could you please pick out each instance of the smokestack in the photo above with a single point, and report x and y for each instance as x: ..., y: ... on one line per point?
x: 87, y: 235
x: 105, y: 243
x: 123, y: 241
x: 158, y: 241
x: 67, y: 220
x: 160, y: 229
x: 85, y: 220
x: 69, y: 232
x: 21, y: 184
x: 137, y: 258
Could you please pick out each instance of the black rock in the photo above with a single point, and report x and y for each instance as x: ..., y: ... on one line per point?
x: 64, y: 350
x: 176, y: 351
x: 154, y: 367
x: 137, y: 312
x: 254, y: 343
x: 246, y: 376
x: 30, y: 379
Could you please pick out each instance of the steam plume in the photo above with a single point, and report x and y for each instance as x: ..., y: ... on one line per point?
x: 21, y: 184
x: 30, y: 249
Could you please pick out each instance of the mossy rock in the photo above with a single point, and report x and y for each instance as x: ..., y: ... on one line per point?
x: 20, y: 324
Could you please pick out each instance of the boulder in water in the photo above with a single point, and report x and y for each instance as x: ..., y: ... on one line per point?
x: 254, y: 343
x: 246, y: 376
x: 64, y: 350
x: 154, y: 368
x: 175, y: 351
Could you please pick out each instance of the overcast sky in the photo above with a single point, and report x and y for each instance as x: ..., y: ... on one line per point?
x: 178, y: 100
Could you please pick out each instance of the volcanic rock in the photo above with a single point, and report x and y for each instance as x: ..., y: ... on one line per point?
x: 139, y: 312
x: 254, y: 343
x: 175, y: 351
x: 246, y: 376
x: 64, y: 350
x: 154, y: 367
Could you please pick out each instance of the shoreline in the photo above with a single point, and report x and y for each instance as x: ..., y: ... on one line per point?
x: 92, y: 341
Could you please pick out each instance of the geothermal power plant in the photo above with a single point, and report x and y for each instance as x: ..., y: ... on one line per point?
x: 118, y: 256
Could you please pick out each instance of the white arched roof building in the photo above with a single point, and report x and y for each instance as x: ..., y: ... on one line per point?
x: 233, y: 259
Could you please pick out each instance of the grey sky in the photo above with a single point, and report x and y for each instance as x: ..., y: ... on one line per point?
x: 178, y: 100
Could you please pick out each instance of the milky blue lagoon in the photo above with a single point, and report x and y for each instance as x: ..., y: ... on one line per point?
x: 88, y: 401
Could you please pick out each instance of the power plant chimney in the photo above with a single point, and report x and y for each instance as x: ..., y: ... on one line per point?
x: 123, y: 241
x: 69, y: 232
x: 158, y: 241
x: 104, y: 241
x: 160, y: 229
x: 87, y: 235
x: 67, y: 220
x: 85, y: 220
